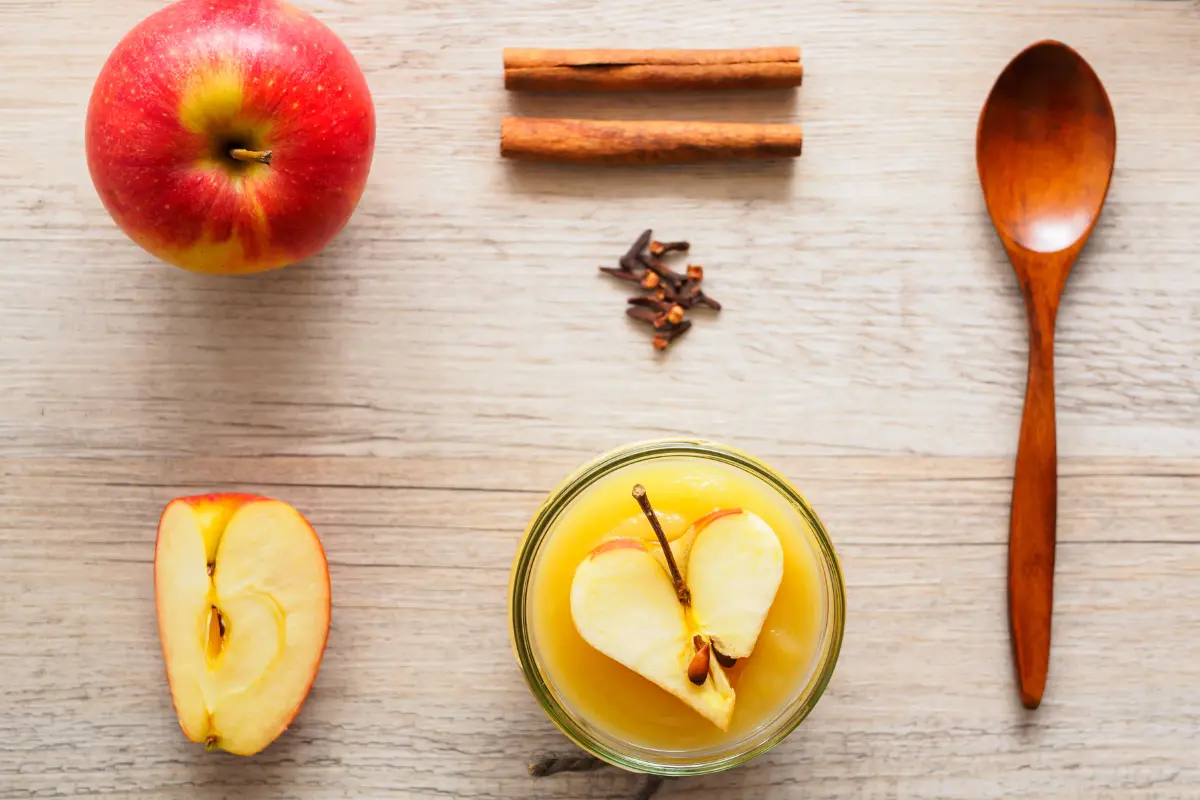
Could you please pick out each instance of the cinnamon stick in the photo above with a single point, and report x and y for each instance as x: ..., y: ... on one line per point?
x: 533, y: 70
x: 585, y: 141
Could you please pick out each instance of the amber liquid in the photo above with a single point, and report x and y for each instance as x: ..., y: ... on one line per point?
x: 614, y: 699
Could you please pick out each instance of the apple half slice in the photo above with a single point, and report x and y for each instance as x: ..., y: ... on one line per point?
x: 734, y: 568
x: 624, y: 605
x: 679, y: 612
x: 242, y: 589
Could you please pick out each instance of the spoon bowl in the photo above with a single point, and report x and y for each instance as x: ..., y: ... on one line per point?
x: 1045, y: 149
x: 1047, y: 142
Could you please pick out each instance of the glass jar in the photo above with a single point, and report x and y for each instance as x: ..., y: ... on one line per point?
x: 600, y: 742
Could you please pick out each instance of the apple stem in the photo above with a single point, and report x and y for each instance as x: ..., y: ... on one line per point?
x: 242, y: 154
x: 639, y: 494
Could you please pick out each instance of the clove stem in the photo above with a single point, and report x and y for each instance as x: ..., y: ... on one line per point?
x: 649, y: 788
x: 662, y: 271
x: 629, y: 261
x: 554, y: 763
x: 621, y: 273
x: 642, y: 314
x: 670, y: 334
x: 659, y: 249
x: 681, y: 590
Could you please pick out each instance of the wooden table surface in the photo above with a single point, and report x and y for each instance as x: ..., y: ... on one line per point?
x: 419, y: 387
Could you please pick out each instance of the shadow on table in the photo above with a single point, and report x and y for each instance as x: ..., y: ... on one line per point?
x: 295, y: 764
x: 741, y: 180
x: 231, y: 366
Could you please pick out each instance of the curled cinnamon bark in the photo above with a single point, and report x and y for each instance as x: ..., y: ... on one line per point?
x: 651, y: 70
x: 584, y: 141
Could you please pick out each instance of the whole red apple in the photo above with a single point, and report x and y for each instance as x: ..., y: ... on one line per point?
x: 230, y: 136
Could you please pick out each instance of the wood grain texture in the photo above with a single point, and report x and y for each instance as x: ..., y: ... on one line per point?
x: 416, y: 390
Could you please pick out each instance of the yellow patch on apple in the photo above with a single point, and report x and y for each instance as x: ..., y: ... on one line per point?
x: 678, y: 613
x: 212, y: 97
x: 231, y: 253
x: 242, y: 589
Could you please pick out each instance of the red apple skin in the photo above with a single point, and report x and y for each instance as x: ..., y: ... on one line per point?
x: 200, y: 77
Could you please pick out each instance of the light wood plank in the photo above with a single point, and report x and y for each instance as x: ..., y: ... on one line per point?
x: 418, y: 690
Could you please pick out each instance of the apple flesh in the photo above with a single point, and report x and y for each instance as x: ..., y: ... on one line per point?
x: 242, y: 591
x: 625, y: 604
x: 230, y: 136
x: 734, y: 568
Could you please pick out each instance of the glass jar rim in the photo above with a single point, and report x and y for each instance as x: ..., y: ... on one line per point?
x: 542, y: 522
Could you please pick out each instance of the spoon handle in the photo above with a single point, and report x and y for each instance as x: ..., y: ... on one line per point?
x: 1034, y: 511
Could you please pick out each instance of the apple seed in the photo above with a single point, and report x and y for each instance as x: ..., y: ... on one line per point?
x: 697, y: 670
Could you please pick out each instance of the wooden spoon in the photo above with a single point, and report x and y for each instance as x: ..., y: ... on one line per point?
x: 1045, y: 149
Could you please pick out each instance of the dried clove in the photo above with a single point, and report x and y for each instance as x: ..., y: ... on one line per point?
x: 660, y: 313
x: 622, y: 274
x: 630, y: 263
x: 650, y: 787
x: 672, y: 293
x: 663, y: 271
x: 630, y: 260
x: 691, y: 295
x: 651, y: 301
x: 642, y: 314
x: 660, y: 249
x: 546, y: 763
x: 662, y: 340
x: 553, y: 763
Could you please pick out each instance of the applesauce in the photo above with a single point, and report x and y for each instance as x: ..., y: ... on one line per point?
x: 614, y: 712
